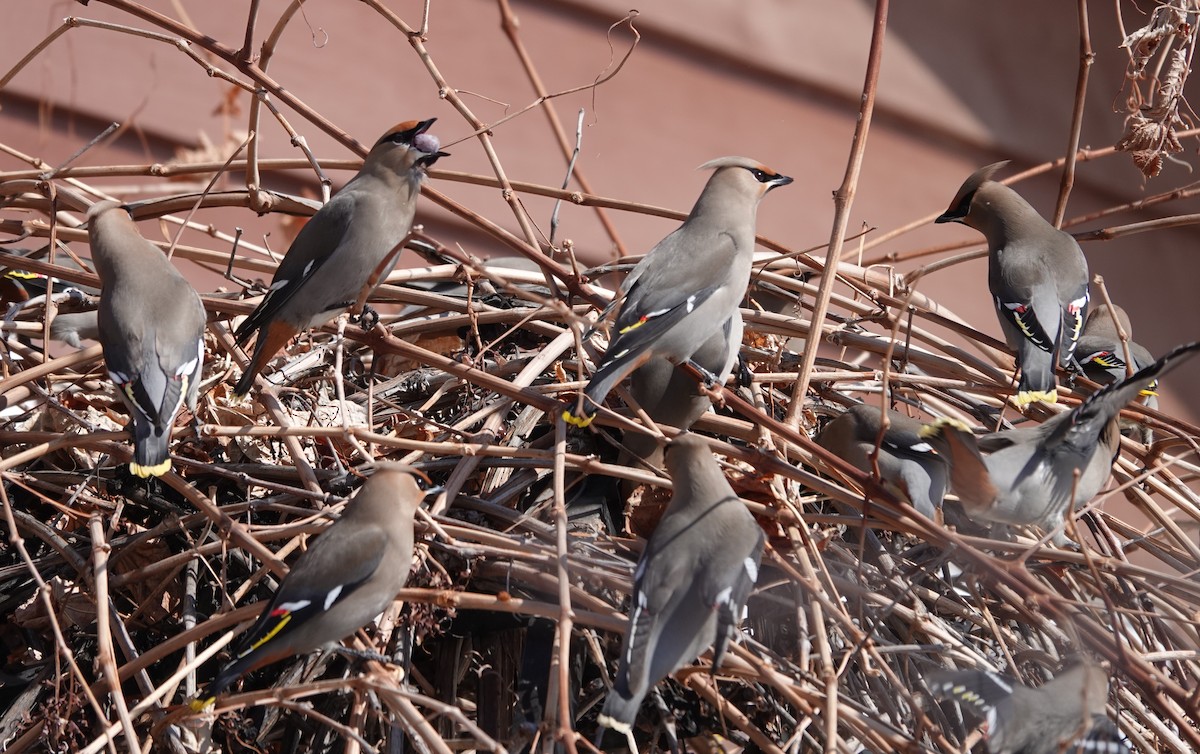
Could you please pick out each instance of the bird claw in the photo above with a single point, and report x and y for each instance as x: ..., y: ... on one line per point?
x: 369, y: 318
x: 744, y: 377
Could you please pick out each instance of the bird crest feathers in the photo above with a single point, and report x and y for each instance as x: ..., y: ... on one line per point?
x: 961, y: 206
x: 734, y: 161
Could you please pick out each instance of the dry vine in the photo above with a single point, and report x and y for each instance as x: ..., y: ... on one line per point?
x: 506, y: 635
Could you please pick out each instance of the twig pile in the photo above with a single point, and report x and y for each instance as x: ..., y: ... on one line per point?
x: 507, y: 634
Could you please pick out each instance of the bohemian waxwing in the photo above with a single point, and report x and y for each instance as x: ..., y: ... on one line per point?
x: 691, y: 583
x: 1028, y: 474
x: 1038, y: 277
x: 1100, y: 351
x: 1102, y: 356
x: 1064, y: 715
x: 344, y: 580
x: 685, y: 290
x: 338, y: 250
x: 907, y: 462
x: 671, y: 397
x: 151, y: 328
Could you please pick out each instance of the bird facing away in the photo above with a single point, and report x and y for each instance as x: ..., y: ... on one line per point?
x: 1027, y: 475
x: 151, y: 328
x: 671, y: 397
x: 691, y: 583
x: 346, y: 578
x: 906, y: 461
x: 1064, y: 715
x: 339, y: 250
x: 1037, y: 275
x: 685, y: 290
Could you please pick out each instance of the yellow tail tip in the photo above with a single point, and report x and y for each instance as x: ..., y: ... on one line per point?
x: 934, y: 428
x: 1024, y: 398
x: 149, y: 471
x: 614, y: 724
x: 200, y: 705
x: 1148, y: 393
x: 577, y: 421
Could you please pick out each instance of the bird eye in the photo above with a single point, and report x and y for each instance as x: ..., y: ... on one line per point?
x: 760, y: 175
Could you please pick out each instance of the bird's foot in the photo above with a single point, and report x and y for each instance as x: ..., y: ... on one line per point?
x: 369, y: 318
x: 744, y: 377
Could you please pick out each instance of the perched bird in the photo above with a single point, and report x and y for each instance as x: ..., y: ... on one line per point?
x: 685, y: 290
x: 691, y: 583
x: 346, y: 578
x: 906, y: 461
x: 339, y: 250
x: 1038, y: 277
x: 1100, y: 352
x: 671, y: 397
x: 1028, y: 475
x: 1064, y: 715
x: 151, y: 328
x: 1102, y: 356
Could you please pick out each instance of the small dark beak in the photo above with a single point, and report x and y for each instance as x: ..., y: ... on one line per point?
x: 948, y: 217
x: 429, y: 159
x: 420, y: 128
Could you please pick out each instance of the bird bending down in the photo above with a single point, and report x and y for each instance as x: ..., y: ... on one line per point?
x: 1102, y: 355
x: 1037, y: 275
x: 906, y: 461
x: 151, y: 328
x: 1103, y: 358
x: 686, y: 289
x: 1027, y: 476
x: 340, y: 250
x: 670, y: 396
x: 347, y: 577
x: 691, y: 583
x: 1064, y: 715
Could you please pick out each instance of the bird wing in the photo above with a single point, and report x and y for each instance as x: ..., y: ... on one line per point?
x: 151, y: 367
x: 641, y: 322
x: 656, y: 585
x: 1073, y: 314
x: 988, y: 695
x: 1102, y: 736
x: 729, y: 582
x: 313, y: 247
x: 1027, y: 318
x: 1082, y: 426
x: 304, y: 594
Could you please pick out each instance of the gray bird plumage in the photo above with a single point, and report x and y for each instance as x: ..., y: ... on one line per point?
x: 685, y: 290
x: 671, y: 397
x: 1026, y: 476
x: 151, y: 327
x: 1037, y: 275
x: 1064, y: 715
x: 73, y: 328
x: 691, y: 582
x: 1103, y: 358
x: 906, y: 461
x: 1100, y: 351
x: 339, y: 249
x: 343, y: 581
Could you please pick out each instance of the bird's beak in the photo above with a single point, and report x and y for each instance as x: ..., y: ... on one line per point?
x: 429, y: 159
x: 949, y: 216
x: 420, y: 128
